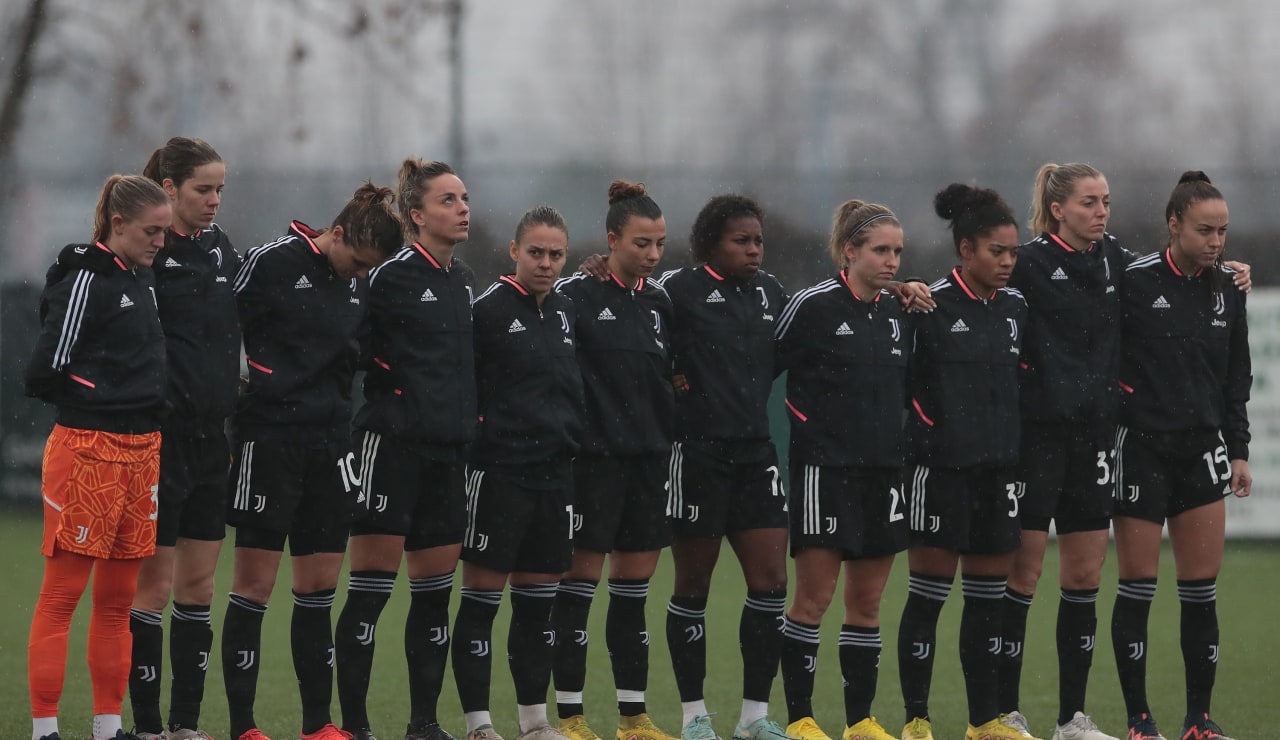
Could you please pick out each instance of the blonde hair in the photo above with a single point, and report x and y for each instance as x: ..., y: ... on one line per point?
x: 850, y: 222
x: 125, y: 196
x: 1054, y: 184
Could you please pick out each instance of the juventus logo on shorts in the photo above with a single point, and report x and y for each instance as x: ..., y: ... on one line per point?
x: 259, y: 502
x: 693, y: 513
x: 381, y: 506
x: 935, y: 523
x: 82, y: 534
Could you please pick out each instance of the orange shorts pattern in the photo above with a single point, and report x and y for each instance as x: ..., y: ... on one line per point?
x: 99, y: 491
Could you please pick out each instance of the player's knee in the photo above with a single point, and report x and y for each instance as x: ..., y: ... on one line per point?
x: 809, y: 608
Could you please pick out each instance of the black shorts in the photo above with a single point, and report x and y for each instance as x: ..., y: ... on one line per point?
x: 862, y: 512
x: 966, y: 510
x: 410, y: 491
x: 515, y: 527
x: 712, y: 495
x: 620, y: 503
x: 1068, y: 472
x: 1162, y: 475
x: 192, y: 496
x: 305, y: 493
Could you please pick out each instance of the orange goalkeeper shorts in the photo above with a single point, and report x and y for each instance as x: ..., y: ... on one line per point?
x: 99, y: 492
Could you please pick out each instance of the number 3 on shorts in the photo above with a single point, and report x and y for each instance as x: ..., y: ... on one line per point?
x: 1014, y: 491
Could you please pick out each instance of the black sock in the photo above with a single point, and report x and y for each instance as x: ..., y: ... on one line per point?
x: 627, y: 638
x: 426, y: 644
x: 760, y: 641
x: 1077, y: 628
x: 144, y: 672
x: 472, y: 657
x: 1199, y: 601
x: 1014, y: 625
x: 569, y: 619
x: 799, y: 662
x: 687, y: 641
x: 860, y: 669
x: 353, y: 641
x: 980, y: 643
x: 531, y: 641
x: 917, y: 640
x: 1129, y: 641
x: 241, y: 658
x: 190, y: 640
x: 311, y: 636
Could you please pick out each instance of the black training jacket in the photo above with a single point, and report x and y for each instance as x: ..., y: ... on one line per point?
x: 100, y: 354
x: 722, y: 338
x: 530, y: 389
x: 846, y: 362
x: 420, y: 355
x: 300, y: 324
x: 624, y: 351
x: 963, y: 382
x: 1072, y: 345
x: 194, y: 274
x: 1185, y: 363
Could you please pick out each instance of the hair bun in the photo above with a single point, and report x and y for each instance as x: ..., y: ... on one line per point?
x: 370, y: 193
x: 951, y: 200
x: 620, y: 190
x: 1194, y: 176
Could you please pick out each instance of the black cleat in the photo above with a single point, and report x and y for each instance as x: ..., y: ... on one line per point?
x: 429, y: 731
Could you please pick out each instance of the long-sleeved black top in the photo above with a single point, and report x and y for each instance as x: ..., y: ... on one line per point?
x: 623, y: 338
x: 722, y: 339
x: 420, y: 353
x: 530, y: 389
x: 1185, y: 360
x: 100, y: 356
x: 846, y: 362
x: 194, y: 274
x: 963, y: 380
x: 300, y: 323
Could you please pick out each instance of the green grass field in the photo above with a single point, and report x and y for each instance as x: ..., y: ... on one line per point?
x: 1246, y: 599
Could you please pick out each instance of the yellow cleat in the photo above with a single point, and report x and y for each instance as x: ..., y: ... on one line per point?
x: 918, y: 729
x: 806, y: 728
x: 640, y: 727
x: 576, y: 728
x: 996, y: 729
x: 867, y: 729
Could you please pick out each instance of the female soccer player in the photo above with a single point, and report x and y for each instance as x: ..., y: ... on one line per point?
x: 295, y: 477
x: 1072, y: 276
x: 202, y: 348
x: 1183, y: 444
x: 845, y: 344
x: 519, y: 489
x: 724, y: 478
x: 620, y: 477
x: 99, y: 359
x: 411, y: 434
x: 962, y: 444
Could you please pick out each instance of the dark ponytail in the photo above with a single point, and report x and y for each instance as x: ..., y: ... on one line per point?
x: 627, y: 199
x: 1193, y: 187
x: 972, y: 211
x: 178, y: 160
x: 369, y: 220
